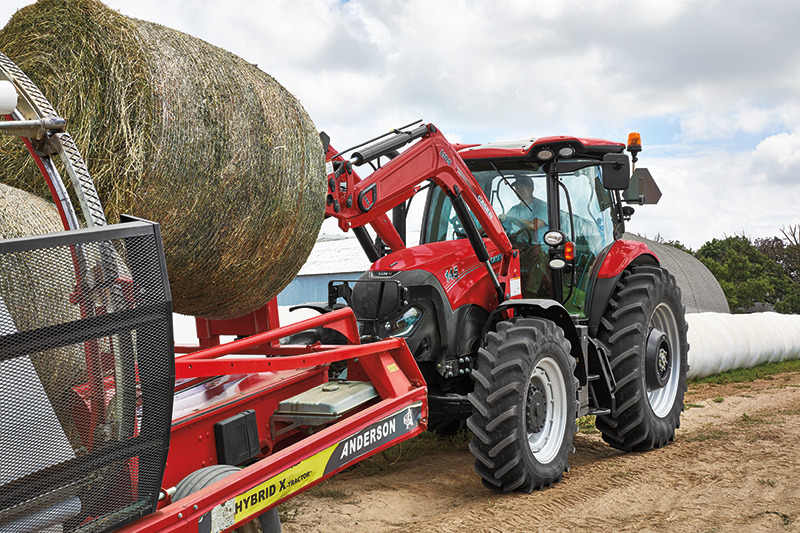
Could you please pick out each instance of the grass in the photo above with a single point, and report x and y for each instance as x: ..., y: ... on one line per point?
x: 742, y: 375
x: 288, y: 511
x: 586, y: 424
x: 748, y: 420
x: 429, y: 443
x: 332, y: 494
x: 708, y: 432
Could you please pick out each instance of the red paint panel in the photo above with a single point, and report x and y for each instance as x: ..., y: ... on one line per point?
x: 472, y: 286
x: 523, y: 147
x: 192, y: 442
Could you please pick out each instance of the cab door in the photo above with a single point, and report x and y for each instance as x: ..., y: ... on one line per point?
x: 585, y: 216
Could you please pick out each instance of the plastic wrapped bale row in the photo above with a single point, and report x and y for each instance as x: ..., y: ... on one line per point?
x: 186, y: 134
x: 720, y: 342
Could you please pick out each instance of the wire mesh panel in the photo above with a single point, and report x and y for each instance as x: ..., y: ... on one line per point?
x: 86, y: 378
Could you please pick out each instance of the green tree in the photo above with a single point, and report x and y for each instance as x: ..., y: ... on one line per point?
x: 746, y: 275
x: 785, y: 252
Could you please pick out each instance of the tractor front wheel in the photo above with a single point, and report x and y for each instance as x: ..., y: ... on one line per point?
x: 268, y: 522
x: 524, y: 406
x: 644, y: 329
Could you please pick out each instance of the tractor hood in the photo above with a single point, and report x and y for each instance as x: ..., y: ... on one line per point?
x: 452, y: 263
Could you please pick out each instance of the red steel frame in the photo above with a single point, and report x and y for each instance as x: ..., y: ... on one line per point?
x: 388, y: 364
x: 96, y: 393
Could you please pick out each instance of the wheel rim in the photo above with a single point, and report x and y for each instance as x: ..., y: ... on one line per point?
x: 662, y: 398
x: 545, y: 410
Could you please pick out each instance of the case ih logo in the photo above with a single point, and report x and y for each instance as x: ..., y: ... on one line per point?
x: 445, y: 157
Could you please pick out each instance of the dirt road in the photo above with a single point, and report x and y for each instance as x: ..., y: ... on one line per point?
x: 734, y: 466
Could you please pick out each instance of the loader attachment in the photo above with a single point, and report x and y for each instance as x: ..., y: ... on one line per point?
x: 86, y: 378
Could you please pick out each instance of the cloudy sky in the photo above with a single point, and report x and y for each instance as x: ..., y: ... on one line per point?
x: 712, y: 86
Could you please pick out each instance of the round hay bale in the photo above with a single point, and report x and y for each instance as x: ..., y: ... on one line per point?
x: 181, y: 132
x: 32, y: 295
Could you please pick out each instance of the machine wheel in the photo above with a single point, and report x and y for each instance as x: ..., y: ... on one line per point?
x: 645, y: 330
x: 524, y: 406
x: 268, y: 522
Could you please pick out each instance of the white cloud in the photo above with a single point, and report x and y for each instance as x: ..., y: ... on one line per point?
x: 715, y: 84
x: 777, y: 160
x: 717, y: 194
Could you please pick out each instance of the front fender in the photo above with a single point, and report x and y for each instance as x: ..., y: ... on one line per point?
x: 550, y: 310
x: 620, y: 255
x: 624, y: 253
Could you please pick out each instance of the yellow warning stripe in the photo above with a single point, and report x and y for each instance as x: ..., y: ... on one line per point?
x: 257, y: 499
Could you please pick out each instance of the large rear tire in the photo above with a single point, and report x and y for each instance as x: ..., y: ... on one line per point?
x: 644, y: 328
x: 524, y: 406
x: 268, y: 522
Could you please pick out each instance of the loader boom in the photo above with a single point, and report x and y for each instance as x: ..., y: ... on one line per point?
x: 356, y: 202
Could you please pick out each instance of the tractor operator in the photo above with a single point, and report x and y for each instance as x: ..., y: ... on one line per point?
x: 532, y: 212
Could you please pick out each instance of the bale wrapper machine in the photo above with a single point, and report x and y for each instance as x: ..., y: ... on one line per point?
x: 107, y: 425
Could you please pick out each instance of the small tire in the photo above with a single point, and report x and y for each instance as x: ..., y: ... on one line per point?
x: 645, y: 310
x: 524, y: 406
x: 268, y: 522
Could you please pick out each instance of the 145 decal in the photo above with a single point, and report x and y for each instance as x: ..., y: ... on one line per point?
x: 451, y: 273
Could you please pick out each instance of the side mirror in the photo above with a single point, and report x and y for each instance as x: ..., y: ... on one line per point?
x: 643, y: 189
x: 616, y: 172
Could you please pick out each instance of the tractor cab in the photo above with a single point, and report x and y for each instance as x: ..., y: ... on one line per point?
x: 551, y: 198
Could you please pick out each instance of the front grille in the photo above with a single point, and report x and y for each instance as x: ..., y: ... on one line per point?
x: 86, y: 378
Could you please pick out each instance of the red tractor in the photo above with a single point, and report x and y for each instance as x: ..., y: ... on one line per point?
x: 522, y: 305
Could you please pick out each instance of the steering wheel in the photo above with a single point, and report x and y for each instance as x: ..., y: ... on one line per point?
x: 519, y: 230
x: 458, y: 230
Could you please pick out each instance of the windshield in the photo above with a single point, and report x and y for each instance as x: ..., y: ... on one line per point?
x: 518, y: 193
x: 592, y: 224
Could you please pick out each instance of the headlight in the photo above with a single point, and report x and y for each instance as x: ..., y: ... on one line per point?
x: 402, y: 326
x: 553, y: 237
x: 545, y: 154
x: 567, y: 151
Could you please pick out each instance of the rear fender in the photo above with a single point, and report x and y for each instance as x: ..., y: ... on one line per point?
x: 620, y: 256
x: 549, y: 310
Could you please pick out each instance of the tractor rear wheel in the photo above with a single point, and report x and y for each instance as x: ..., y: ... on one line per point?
x: 644, y: 328
x: 524, y: 406
x: 268, y: 522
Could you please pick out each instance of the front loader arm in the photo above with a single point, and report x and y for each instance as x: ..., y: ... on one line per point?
x: 341, y: 185
x: 356, y: 202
